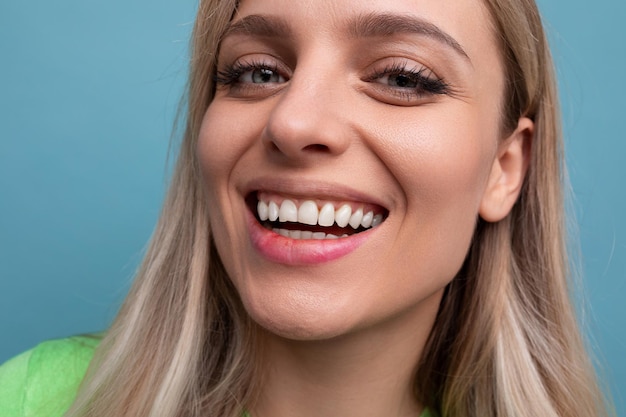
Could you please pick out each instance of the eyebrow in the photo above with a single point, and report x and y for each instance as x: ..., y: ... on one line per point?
x: 259, y: 25
x: 363, y: 26
x: 380, y: 25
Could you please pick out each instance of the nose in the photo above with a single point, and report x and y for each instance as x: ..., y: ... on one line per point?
x: 308, y: 122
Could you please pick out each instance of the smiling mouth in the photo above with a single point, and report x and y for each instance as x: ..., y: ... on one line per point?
x: 297, y: 218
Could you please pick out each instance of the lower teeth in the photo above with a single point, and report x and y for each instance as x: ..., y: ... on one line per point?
x: 304, y: 234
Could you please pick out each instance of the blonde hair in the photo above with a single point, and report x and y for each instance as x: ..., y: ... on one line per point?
x: 505, y: 342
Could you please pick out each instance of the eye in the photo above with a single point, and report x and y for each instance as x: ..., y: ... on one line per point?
x: 261, y: 76
x: 404, y: 83
x: 398, y: 80
x: 253, y: 72
x: 254, y: 77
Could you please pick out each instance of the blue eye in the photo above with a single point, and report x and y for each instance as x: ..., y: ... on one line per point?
x: 249, y: 73
x: 261, y: 76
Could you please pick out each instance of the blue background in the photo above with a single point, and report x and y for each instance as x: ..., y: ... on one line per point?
x: 88, y: 95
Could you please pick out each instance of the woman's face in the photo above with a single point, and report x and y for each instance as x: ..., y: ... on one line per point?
x: 383, y: 115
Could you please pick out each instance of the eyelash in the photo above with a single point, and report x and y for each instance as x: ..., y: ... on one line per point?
x: 425, y: 85
x: 232, y: 73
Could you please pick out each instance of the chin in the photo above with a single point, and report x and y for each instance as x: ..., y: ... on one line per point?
x: 298, y: 320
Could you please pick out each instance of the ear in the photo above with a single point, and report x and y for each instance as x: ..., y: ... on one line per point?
x: 507, y: 173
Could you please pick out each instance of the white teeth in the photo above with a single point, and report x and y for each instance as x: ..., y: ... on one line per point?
x: 367, y: 219
x: 342, y: 215
x: 263, y: 210
x: 273, y: 211
x: 305, y: 234
x: 327, y: 215
x: 307, y: 213
x: 288, y: 212
x: 355, y: 219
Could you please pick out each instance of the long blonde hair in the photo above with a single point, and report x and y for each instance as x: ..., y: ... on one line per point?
x: 505, y: 342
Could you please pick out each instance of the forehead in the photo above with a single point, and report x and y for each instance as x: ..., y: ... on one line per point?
x: 463, y: 24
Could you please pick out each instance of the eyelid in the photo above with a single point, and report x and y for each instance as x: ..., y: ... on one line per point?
x: 399, y: 65
x: 428, y: 86
x: 226, y: 73
x: 232, y: 81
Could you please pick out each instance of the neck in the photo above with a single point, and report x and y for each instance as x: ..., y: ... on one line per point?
x: 368, y: 373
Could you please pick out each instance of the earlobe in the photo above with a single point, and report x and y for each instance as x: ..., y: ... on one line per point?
x: 507, y: 173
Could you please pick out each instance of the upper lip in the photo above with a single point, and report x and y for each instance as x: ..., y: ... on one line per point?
x: 303, y: 188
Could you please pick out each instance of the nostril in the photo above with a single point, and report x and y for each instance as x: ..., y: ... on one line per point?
x: 316, y: 148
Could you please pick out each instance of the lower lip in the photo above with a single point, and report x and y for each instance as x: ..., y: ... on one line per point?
x: 284, y: 250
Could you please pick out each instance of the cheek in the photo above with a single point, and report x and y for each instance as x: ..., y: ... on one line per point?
x: 441, y: 158
x: 441, y: 161
x: 221, y: 142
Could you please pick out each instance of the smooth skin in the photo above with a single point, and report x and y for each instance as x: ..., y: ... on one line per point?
x: 319, y: 99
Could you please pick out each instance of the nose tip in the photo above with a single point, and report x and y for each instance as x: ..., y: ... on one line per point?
x: 305, y: 123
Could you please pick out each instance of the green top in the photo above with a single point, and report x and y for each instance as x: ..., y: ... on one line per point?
x: 43, y: 382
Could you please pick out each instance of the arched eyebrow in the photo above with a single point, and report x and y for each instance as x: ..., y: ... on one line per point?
x: 380, y: 25
x: 259, y: 25
x: 362, y: 26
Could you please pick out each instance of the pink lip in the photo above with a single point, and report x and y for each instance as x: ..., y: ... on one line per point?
x: 280, y: 249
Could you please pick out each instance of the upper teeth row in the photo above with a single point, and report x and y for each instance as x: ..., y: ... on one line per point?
x: 308, y: 213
